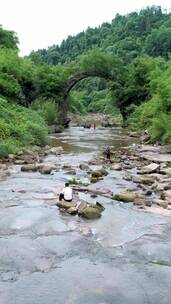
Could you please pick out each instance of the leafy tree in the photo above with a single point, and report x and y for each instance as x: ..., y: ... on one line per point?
x: 8, y: 39
x: 158, y: 43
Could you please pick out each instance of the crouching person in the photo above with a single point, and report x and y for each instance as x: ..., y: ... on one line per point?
x: 66, y: 193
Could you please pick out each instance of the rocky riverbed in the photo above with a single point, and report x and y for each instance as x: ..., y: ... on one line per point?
x: 50, y: 256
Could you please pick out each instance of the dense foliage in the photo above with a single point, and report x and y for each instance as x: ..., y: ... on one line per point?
x: 155, y: 114
x: 120, y: 67
x: 128, y: 38
x: 20, y: 127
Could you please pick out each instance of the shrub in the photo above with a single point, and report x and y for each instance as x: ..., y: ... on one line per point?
x: 47, y: 108
x: 4, y: 129
x: 8, y: 146
x: 161, y: 128
x: 39, y: 134
x: 20, y: 127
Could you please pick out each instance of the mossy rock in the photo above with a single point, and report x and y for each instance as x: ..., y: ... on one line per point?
x: 98, y: 205
x: 125, y: 196
x: 81, y: 207
x: 66, y: 205
x: 94, y: 180
x: 91, y: 213
x: 72, y: 210
x: 99, y: 173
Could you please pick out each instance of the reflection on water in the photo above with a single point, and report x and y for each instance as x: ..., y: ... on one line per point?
x: 79, y: 139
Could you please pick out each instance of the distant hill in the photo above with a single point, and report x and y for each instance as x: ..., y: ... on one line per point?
x: 148, y: 31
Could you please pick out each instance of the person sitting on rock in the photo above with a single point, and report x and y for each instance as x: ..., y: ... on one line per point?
x: 66, y: 193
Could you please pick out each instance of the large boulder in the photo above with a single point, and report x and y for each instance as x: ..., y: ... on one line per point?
x: 82, y: 206
x: 27, y: 156
x: 152, y: 168
x: 147, y: 180
x: 166, y: 195
x: 91, y: 213
x: 116, y: 167
x: 125, y: 196
x: 46, y: 169
x: 29, y: 167
x: 55, y: 150
x: 72, y: 210
x: 99, y: 173
x: 66, y: 205
x: 84, y: 167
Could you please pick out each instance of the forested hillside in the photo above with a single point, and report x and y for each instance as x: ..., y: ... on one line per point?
x: 122, y: 67
x: 126, y: 36
x: 130, y: 38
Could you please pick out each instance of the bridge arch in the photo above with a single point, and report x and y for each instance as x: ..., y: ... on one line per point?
x: 63, y: 105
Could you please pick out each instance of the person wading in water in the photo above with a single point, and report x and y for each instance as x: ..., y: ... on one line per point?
x: 108, y: 152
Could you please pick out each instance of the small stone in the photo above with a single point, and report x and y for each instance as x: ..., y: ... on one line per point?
x: 148, y: 203
x: 3, y: 167
x: 84, y: 167
x: 164, y: 204
x: 94, y: 180
x: 86, y: 231
x: 148, y: 192
x: 138, y: 201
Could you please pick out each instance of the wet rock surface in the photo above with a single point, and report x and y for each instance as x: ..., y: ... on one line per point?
x: 49, y: 256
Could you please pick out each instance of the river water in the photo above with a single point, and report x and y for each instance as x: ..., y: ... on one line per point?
x: 45, y: 256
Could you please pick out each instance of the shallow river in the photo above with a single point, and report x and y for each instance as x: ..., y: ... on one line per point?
x: 45, y: 258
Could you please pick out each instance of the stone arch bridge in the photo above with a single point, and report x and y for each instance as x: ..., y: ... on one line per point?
x: 70, y: 83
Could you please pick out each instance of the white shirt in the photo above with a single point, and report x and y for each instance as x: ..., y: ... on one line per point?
x: 67, y: 191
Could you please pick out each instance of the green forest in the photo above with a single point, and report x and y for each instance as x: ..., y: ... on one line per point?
x: 119, y: 68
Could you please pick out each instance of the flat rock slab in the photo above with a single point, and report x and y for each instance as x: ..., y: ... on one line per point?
x: 149, y: 148
x: 159, y: 211
x: 155, y: 157
x: 149, y: 169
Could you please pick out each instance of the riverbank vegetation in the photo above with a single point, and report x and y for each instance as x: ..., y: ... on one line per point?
x: 120, y: 68
x: 20, y: 127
